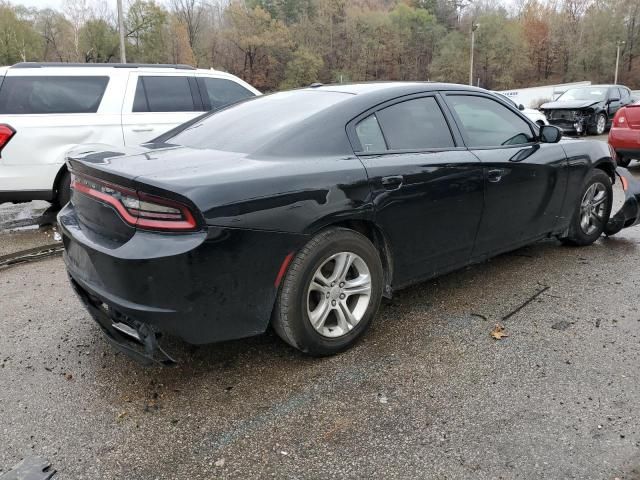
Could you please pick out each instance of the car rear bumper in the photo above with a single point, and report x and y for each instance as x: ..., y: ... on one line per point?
x: 203, y: 287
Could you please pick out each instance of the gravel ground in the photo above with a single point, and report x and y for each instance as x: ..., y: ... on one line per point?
x: 427, y: 393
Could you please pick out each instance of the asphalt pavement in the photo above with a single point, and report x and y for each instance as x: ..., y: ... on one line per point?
x: 428, y: 393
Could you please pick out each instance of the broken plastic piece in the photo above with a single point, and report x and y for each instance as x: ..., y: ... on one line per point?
x: 30, y: 468
x: 629, y: 213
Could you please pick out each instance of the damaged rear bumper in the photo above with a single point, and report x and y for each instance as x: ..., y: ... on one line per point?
x: 629, y: 213
x: 133, y: 338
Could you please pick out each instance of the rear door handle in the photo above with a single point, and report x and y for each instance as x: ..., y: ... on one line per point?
x: 495, y: 175
x: 393, y: 182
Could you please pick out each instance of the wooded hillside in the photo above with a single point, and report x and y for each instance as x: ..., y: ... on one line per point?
x: 277, y: 44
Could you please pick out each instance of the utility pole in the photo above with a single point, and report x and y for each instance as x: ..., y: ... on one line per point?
x: 123, y: 52
x: 618, y: 45
x: 474, y: 26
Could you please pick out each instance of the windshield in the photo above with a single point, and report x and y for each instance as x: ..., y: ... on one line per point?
x: 586, y: 93
x: 247, y: 126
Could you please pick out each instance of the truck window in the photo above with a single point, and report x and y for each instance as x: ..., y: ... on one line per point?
x: 222, y: 92
x: 51, y: 94
x: 163, y: 94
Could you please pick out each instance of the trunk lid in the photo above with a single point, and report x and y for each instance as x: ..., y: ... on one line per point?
x: 632, y: 112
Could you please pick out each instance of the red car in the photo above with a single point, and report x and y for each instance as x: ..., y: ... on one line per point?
x: 624, y: 135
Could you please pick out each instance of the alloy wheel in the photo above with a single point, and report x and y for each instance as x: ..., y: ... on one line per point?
x: 600, y: 126
x: 339, y: 294
x: 592, y: 208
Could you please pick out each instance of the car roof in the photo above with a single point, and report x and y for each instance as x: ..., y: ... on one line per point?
x: 101, y: 65
x: 391, y: 87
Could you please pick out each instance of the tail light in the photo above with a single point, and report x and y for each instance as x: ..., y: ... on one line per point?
x: 6, y: 133
x: 620, y: 120
x: 138, y: 209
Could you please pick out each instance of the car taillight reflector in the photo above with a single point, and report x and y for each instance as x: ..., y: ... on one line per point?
x: 620, y: 121
x: 6, y: 133
x: 138, y: 209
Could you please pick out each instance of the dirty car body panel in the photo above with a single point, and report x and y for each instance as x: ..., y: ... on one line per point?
x: 248, y: 199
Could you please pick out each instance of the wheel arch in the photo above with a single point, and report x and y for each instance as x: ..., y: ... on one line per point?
x: 607, y: 167
x: 375, y: 234
x: 56, y: 183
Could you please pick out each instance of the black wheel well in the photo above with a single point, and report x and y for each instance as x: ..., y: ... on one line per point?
x: 378, y: 238
x: 609, y: 169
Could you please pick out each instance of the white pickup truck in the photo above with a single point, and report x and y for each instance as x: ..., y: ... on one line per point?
x: 48, y: 108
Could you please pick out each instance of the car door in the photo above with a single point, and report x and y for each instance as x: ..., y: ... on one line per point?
x: 157, y: 102
x: 525, y: 180
x: 426, y: 187
x: 614, y: 102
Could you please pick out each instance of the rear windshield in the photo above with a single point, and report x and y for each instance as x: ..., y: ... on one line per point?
x: 42, y: 94
x: 247, y: 126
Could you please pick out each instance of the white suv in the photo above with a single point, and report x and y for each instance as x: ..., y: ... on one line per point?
x: 48, y: 108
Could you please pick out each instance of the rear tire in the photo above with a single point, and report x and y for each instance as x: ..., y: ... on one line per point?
x: 63, y: 193
x: 592, y: 211
x: 330, y: 293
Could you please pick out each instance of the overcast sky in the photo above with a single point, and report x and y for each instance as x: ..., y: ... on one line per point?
x: 57, y: 4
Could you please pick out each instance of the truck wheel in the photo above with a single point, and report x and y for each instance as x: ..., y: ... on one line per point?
x: 330, y: 293
x: 63, y: 193
x: 592, y: 211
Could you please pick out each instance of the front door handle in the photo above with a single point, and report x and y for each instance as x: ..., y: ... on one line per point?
x: 142, y: 129
x: 495, y: 175
x: 393, y: 182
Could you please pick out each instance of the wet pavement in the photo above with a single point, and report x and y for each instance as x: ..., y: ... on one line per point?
x: 428, y: 393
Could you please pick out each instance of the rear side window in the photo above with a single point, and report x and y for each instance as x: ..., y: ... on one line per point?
x: 370, y: 135
x: 54, y: 94
x: 222, y: 92
x: 488, y: 123
x: 415, y: 125
x: 164, y: 94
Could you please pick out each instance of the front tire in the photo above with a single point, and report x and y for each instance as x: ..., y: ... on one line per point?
x: 592, y: 211
x: 330, y: 293
x: 600, y: 126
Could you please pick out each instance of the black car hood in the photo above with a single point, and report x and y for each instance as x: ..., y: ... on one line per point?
x: 568, y: 105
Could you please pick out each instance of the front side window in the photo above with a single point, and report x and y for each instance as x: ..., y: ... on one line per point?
x: 222, y: 92
x: 51, y: 94
x: 487, y: 123
x: 163, y: 94
x: 416, y: 124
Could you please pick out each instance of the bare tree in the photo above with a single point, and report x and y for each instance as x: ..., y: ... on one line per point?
x: 192, y: 14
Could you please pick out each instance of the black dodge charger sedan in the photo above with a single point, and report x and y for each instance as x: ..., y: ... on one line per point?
x: 302, y: 209
x: 587, y: 109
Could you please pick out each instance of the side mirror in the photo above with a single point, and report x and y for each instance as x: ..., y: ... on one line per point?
x: 521, y: 107
x: 613, y: 99
x: 550, y: 134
